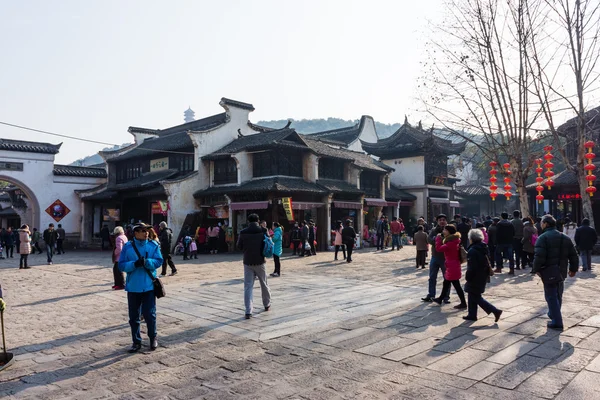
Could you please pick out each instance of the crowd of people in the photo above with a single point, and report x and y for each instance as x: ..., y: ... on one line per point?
x: 24, y: 242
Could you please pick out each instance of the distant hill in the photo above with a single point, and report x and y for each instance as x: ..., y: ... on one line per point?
x: 319, y: 125
x: 95, y: 158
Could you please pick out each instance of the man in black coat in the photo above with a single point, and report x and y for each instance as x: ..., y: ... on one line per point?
x: 166, y: 239
x: 251, y: 242
x: 311, y: 237
x: 50, y: 237
x: 9, y: 242
x: 348, y: 236
x: 463, y: 228
x: 554, y: 248
x: 505, y: 234
x: 104, y: 236
x: 585, y: 239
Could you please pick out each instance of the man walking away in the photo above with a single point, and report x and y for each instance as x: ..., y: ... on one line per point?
x: 504, y: 239
x: 50, y: 237
x: 380, y: 233
x: 141, y: 271
x: 104, y: 236
x: 554, y: 248
x: 585, y: 239
x: 60, y: 232
x: 422, y: 246
x: 312, y: 234
x: 296, y: 237
x: 348, y: 236
x: 492, y: 232
x: 166, y: 238
x: 304, y: 237
x: 518, y: 239
x: 35, y: 240
x: 463, y: 228
x: 396, y: 231
x: 437, y: 261
x: 250, y: 241
x: 9, y: 242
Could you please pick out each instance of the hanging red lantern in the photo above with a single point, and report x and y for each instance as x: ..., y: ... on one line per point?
x: 549, y: 165
x: 493, y: 180
x: 589, y: 167
x: 539, y: 179
x: 507, y: 179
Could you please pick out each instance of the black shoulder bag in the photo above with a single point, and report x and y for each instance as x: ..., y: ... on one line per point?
x: 159, y: 289
x: 551, y: 273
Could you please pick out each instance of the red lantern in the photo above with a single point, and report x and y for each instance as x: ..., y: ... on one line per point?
x: 493, y: 180
x: 549, y: 165
x: 507, y: 179
x: 589, y: 167
x: 539, y: 179
x: 549, y: 183
x: 539, y: 198
x: 493, y: 195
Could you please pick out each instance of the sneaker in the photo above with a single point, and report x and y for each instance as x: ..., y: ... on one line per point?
x: 118, y: 287
x: 49, y: 262
x: 153, y: 344
x: 135, y: 348
x: 274, y: 275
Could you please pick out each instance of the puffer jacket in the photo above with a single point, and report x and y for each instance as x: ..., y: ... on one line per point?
x: 277, y: 241
x: 528, y: 232
x: 119, y: 243
x: 477, y: 268
x: 166, y: 238
x: 138, y: 280
x: 25, y: 240
x: 548, y: 252
x: 586, y: 237
x: 250, y: 241
x: 338, y: 237
x: 505, y: 232
x: 433, y: 235
x: 450, y: 246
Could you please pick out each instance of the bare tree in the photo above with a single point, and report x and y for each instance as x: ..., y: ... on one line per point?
x: 573, y: 26
x: 482, y: 81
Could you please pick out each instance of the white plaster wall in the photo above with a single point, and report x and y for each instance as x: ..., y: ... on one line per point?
x: 181, y: 202
x: 244, y: 165
x: 356, y: 146
x: 310, y: 167
x: 409, y: 171
x: 369, y: 133
x: 420, y: 204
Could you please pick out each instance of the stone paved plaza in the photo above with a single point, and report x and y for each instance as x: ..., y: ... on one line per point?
x: 335, y: 331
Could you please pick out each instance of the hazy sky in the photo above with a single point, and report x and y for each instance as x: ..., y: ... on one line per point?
x: 93, y: 68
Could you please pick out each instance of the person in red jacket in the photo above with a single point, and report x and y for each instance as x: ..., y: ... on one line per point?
x: 396, y: 227
x: 450, y: 246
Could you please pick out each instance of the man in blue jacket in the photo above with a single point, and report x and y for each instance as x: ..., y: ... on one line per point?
x: 141, y: 271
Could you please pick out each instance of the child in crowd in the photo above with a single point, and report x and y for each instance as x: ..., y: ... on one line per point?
x: 193, y: 250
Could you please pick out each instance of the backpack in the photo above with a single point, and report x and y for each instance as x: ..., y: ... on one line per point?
x: 268, y: 247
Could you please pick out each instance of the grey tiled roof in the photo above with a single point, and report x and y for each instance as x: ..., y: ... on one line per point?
x: 280, y: 138
x: 592, y: 119
x: 361, y: 160
x: 410, y: 141
x: 395, y: 194
x: 70, y: 170
x: 144, y: 180
x: 105, y: 195
x: 479, y: 190
x: 235, y: 103
x: 273, y: 184
x: 8, y: 212
x: 335, y: 186
x: 346, y: 135
x: 29, y: 147
x: 171, y: 139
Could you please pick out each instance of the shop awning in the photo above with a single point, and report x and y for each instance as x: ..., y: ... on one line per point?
x: 304, y: 205
x: 435, y: 200
x: 392, y: 204
x: 454, y: 204
x: 376, y: 202
x: 348, y: 205
x: 406, y: 203
x: 250, y: 205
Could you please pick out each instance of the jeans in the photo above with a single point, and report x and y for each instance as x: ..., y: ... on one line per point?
x: 339, y: 247
x: 49, y: 251
x: 504, y: 251
x: 435, y: 265
x: 277, y: 261
x: 475, y: 299
x: 396, y: 241
x: 553, y: 294
x: 118, y: 275
x: 59, y: 246
x: 250, y: 271
x: 518, y: 249
x: 457, y: 287
x: 142, y: 303
x: 380, y: 237
x: 586, y: 259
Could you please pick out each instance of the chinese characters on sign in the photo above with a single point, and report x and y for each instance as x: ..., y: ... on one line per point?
x: 160, y: 207
x: 287, y: 206
x: 159, y: 164
x: 57, y: 210
x: 569, y: 196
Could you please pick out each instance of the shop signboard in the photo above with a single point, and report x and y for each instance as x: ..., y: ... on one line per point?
x: 219, y: 212
x: 159, y: 164
x: 160, y: 207
x: 569, y: 196
x: 287, y: 207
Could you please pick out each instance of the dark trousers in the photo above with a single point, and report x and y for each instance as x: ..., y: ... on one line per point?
x: 553, y: 294
x: 339, y: 247
x: 37, y: 247
x: 313, y: 248
x: 104, y: 241
x: 118, y: 275
x: 9, y: 250
x: 421, y: 258
x: 527, y: 258
x: 142, y: 304
x: 380, y: 238
x: 212, y: 243
x: 475, y: 300
x: 49, y: 251
x: 349, y: 248
x: 518, y: 249
x: 457, y: 287
x: 59, y: 246
x: 295, y: 246
x: 277, y: 264
x: 23, y: 260
x: 492, y: 250
x: 504, y: 251
x: 167, y: 260
x: 18, y: 246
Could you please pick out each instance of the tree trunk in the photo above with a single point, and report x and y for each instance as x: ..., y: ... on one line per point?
x: 523, y: 199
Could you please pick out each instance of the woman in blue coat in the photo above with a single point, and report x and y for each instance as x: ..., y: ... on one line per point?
x: 277, y: 248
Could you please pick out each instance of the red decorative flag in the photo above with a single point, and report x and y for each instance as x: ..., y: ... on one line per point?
x: 58, y: 210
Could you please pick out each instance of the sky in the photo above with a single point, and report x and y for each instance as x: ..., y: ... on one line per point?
x: 91, y: 69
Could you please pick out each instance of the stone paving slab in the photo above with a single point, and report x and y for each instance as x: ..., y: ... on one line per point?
x: 335, y: 330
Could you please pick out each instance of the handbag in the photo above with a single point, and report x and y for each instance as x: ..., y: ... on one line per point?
x: 462, y: 254
x: 551, y: 273
x: 157, y: 285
